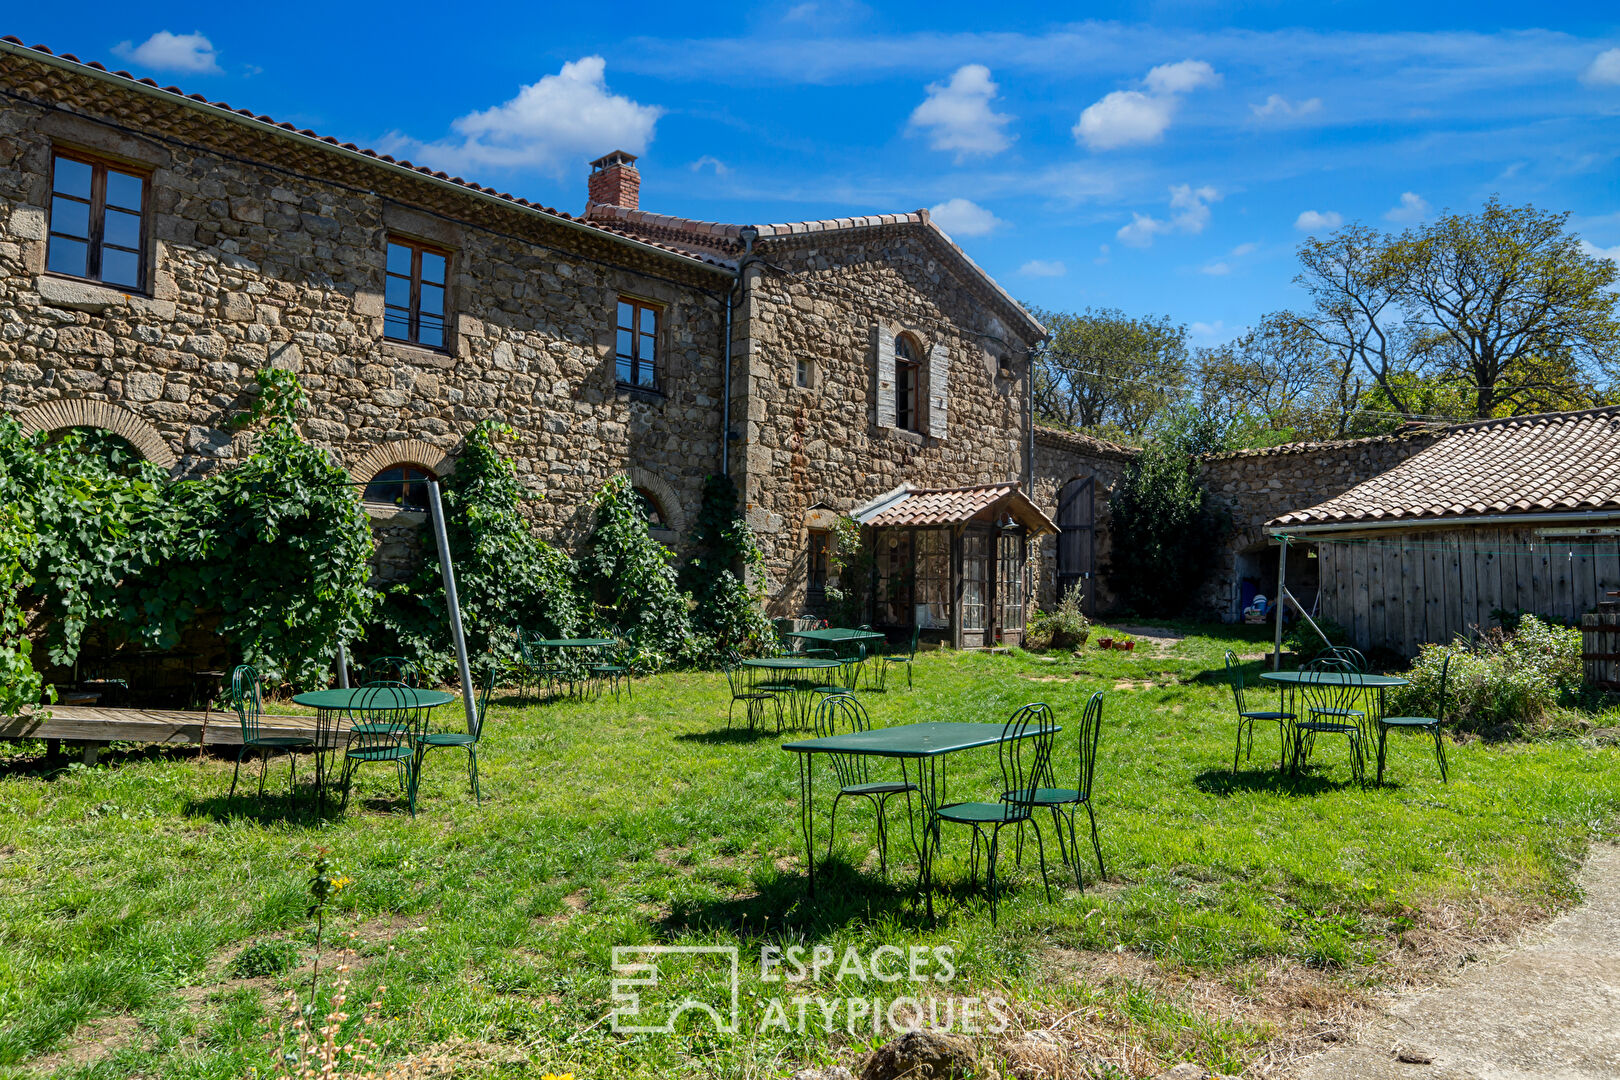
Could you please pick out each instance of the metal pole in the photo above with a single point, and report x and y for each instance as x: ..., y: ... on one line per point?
x: 343, y: 666
x: 1277, y: 603
x: 453, y: 605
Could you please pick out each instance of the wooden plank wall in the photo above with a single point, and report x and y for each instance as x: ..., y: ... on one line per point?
x: 1398, y: 592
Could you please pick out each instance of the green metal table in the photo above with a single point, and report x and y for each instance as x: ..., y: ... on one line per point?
x: 841, y: 640
x: 1290, y: 682
x: 927, y: 745
x: 796, y: 683
x: 334, y: 707
x: 561, y: 644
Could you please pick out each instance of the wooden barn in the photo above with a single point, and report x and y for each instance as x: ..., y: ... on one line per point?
x: 1510, y: 515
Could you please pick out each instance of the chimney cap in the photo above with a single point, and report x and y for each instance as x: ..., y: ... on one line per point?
x: 617, y: 157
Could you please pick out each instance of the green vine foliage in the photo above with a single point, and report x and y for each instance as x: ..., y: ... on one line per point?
x: 630, y: 578
x: 276, y: 548
x: 1163, y: 530
x: 507, y: 579
x: 849, y: 569
x: 724, y: 575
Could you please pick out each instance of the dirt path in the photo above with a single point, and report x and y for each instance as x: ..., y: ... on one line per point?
x: 1549, y: 1007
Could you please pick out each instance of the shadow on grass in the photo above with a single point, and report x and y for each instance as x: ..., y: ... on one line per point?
x: 731, y: 736
x: 42, y: 767
x: 1225, y: 782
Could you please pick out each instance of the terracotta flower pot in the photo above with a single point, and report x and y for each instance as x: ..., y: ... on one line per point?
x: 1105, y: 643
x: 1127, y: 645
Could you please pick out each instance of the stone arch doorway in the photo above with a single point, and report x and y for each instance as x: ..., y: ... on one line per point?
x: 1077, y: 540
x: 82, y: 412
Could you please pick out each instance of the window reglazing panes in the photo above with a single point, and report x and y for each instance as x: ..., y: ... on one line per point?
x: 894, y: 581
x: 804, y: 373
x: 400, y: 485
x: 907, y: 363
x: 1010, y: 580
x: 98, y: 216
x: 636, y: 344
x: 934, y: 579
x: 975, y: 560
x: 414, y: 294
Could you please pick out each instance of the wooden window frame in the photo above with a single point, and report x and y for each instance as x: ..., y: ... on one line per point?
x: 637, y: 306
x: 99, y: 164
x: 818, y: 561
x: 413, y: 319
x: 907, y: 385
x: 405, y: 482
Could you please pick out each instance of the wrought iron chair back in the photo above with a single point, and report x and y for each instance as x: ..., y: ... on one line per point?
x: 1346, y: 654
x: 736, y: 675
x: 841, y: 714
x: 398, y: 669
x: 1234, y: 676
x: 485, y: 692
x: 1328, y: 697
x: 249, y: 706
x: 1325, y: 662
x: 384, y: 717
x: 1090, y: 735
x: 1025, y: 758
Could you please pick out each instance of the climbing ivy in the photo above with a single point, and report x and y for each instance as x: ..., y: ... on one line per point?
x: 632, y: 582
x: 725, y: 576
x: 507, y: 579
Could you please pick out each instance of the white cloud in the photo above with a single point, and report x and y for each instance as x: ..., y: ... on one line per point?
x: 1278, y: 106
x: 1192, y: 214
x: 190, y: 53
x: 1102, y: 255
x: 1132, y: 117
x: 553, y: 124
x: 964, y: 217
x: 1604, y: 70
x: 1245, y: 249
x: 1181, y: 78
x: 957, y: 114
x: 1610, y: 253
x: 1411, y: 209
x: 1209, y: 333
x: 1318, y: 220
x: 1215, y: 269
x: 708, y: 161
x: 1043, y: 268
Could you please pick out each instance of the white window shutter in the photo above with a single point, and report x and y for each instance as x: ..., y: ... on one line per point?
x: 883, y: 339
x: 939, y: 373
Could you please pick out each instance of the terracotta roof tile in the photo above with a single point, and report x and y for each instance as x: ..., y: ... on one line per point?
x: 1551, y: 463
x: 952, y: 506
x: 383, y: 159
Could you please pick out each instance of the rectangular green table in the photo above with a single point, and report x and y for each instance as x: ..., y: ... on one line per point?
x: 927, y: 744
x: 841, y: 641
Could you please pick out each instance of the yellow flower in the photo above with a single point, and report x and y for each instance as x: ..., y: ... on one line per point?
x: 557, y: 1076
x: 337, y: 885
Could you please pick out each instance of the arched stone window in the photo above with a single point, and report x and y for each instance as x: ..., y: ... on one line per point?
x: 102, y: 415
x: 651, y: 509
x: 403, y: 485
x: 908, y: 389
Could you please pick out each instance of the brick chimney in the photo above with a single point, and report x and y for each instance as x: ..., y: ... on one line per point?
x: 615, y: 181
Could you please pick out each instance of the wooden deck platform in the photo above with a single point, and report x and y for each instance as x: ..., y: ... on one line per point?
x: 93, y: 727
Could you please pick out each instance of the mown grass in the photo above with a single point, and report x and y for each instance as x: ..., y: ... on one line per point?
x: 126, y: 888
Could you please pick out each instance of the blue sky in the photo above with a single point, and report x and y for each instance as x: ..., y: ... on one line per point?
x: 1158, y: 157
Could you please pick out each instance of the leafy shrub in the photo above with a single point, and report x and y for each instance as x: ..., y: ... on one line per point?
x: 1164, y: 532
x: 632, y: 582
x: 262, y: 959
x: 1502, y: 687
x: 727, y: 610
x: 849, y: 570
x: 1302, y: 641
x: 1064, y: 627
x: 506, y: 577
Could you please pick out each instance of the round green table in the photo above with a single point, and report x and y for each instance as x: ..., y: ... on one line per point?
x: 1374, y: 685
x: 334, y: 707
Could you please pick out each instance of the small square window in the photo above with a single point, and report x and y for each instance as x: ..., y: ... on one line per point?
x: 806, y: 373
x: 636, y: 351
x: 98, y: 221
x: 414, y: 286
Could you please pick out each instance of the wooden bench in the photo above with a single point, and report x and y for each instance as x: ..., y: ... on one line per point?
x: 92, y: 728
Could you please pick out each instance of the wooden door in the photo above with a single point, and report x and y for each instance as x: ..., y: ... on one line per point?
x: 1077, y: 541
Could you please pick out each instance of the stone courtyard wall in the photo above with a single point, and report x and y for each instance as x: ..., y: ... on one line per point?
x: 1062, y: 456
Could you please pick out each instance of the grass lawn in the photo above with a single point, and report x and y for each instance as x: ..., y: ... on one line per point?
x: 1241, y: 919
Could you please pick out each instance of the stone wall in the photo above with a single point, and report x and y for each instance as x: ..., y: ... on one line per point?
x: 831, y: 300
x: 269, y: 250
x: 1255, y: 486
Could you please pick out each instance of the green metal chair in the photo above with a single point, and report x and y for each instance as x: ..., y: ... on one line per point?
x: 382, y: 730
x: 451, y: 740
x: 908, y: 657
x: 398, y: 669
x: 611, y: 667
x: 1344, y: 654
x: 250, y: 712
x: 849, y: 674
x: 542, y: 671
x: 1065, y: 803
x: 1025, y: 754
x: 1330, y: 709
x: 744, y: 690
x: 840, y: 714
x: 1248, y: 716
x: 786, y: 646
x: 1430, y: 724
x: 824, y: 652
